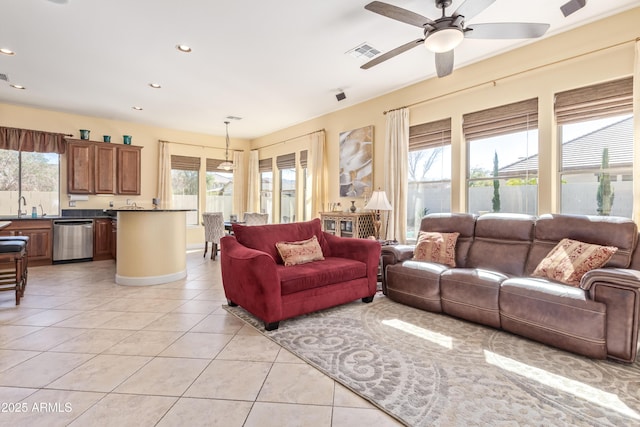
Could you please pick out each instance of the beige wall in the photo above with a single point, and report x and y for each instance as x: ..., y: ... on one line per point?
x: 598, y: 52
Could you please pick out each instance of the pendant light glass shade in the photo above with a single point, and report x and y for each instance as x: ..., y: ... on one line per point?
x: 226, y: 165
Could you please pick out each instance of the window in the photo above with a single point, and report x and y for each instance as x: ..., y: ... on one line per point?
x: 595, y: 126
x: 266, y: 186
x: 502, y: 171
x: 219, y: 197
x: 35, y: 176
x: 287, y: 166
x: 184, y: 185
x: 429, y: 172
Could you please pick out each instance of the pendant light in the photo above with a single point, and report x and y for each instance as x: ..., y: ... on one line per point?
x: 227, y: 165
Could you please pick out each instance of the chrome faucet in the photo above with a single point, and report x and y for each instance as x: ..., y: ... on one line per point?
x: 24, y: 203
x: 42, y: 214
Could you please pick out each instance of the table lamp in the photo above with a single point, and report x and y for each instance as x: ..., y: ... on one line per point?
x: 377, y: 203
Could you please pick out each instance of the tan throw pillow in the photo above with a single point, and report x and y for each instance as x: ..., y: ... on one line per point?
x: 294, y: 253
x: 571, y: 259
x: 436, y: 247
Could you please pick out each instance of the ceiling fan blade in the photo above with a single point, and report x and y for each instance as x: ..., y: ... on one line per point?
x: 398, y: 13
x: 572, y: 6
x: 444, y: 63
x: 506, y: 30
x: 394, y: 52
x: 471, y: 8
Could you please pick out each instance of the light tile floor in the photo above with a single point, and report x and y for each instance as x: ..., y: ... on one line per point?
x: 83, y: 351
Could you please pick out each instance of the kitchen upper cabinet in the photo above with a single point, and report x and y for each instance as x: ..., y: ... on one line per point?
x: 105, y: 169
x: 80, y: 167
x: 128, y: 169
x: 102, y: 168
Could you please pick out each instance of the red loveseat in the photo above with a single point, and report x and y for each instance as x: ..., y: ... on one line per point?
x: 255, y: 277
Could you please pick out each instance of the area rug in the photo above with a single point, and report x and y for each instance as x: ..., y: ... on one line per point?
x: 429, y: 369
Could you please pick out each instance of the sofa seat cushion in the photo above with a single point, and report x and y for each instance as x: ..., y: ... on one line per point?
x: 553, y: 313
x: 319, y: 273
x: 472, y: 294
x: 416, y: 283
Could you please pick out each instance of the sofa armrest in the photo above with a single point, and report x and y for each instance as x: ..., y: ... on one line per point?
x: 250, y: 279
x: 363, y: 250
x: 619, y: 289
x: 394, y: 254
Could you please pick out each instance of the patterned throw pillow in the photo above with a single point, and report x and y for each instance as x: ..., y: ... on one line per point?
x: 436, y: 247
x: 294, y: 253
x: 571, y: 259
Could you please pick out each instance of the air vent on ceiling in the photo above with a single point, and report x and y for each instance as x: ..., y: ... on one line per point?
x: 4, y: 77
x: 363, y: 51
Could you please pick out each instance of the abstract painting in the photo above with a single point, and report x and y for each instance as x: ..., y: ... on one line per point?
x: 356, y: 162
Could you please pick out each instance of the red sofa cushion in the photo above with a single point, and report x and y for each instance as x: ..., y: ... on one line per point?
x: 319, y: 273
x: 265, y: 237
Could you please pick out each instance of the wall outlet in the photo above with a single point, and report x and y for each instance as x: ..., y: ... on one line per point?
x: 72, y: 203
x: 128, y: 202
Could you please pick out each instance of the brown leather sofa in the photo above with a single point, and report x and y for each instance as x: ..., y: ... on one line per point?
x: 492, y: 283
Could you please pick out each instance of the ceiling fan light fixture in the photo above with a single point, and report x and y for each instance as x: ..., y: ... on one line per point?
x: 444, y: 40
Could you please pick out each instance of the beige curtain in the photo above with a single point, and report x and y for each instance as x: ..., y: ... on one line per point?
x: 253, y: 186
x: 395, y: 173
x: 239, y: 195
x: 636, y: 134
x: 317, y: 174
x: 164, y: 175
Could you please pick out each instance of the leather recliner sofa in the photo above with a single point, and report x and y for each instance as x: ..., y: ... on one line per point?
x: 492, y: 283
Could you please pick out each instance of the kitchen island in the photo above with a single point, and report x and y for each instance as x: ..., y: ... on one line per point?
x: 151, y: 246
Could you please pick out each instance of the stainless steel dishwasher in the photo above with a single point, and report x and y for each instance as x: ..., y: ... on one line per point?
x: 72, y: 240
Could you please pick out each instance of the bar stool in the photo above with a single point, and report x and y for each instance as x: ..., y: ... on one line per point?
x: 24, y: 239
x: 13, y: 252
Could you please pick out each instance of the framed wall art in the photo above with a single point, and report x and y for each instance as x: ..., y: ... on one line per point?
x: 356, y: 162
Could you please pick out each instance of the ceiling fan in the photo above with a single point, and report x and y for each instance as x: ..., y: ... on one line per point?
x: 442, y: 35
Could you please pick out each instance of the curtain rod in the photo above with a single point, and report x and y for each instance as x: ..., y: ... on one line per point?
x: 494, y: 82
x: 290, y: 139
x: 199, y: 145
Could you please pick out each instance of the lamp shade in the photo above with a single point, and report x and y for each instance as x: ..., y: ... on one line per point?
x: 379, y: 202
x: 444, y: 40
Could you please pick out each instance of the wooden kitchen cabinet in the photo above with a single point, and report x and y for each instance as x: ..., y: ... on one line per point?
x: 102, y: 168
x: 40, y: 234
x: 128, y: 169
x: 105, y: 169
x: 114, y: 238
x: 102, y: 239
x: 80, y: 167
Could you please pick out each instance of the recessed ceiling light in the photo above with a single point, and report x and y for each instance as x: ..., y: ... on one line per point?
x: 18, y: 87
x: 183, y: 48
x: 155, y: 85
x: 135, y: 107
x: 6, y: 51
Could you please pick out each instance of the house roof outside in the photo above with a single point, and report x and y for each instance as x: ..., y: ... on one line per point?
x: 585, y: 152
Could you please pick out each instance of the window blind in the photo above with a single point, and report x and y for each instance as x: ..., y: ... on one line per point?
x: 286, y: 161
x: 430, y: 135
x: 503, y: 120
x: 303, y: 159
x: 185, y: 163
x: 265, y: 165
x: 595, y: 102
x: 212, y: 165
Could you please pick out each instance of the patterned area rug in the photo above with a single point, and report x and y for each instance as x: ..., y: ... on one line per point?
x: 428, y: 369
